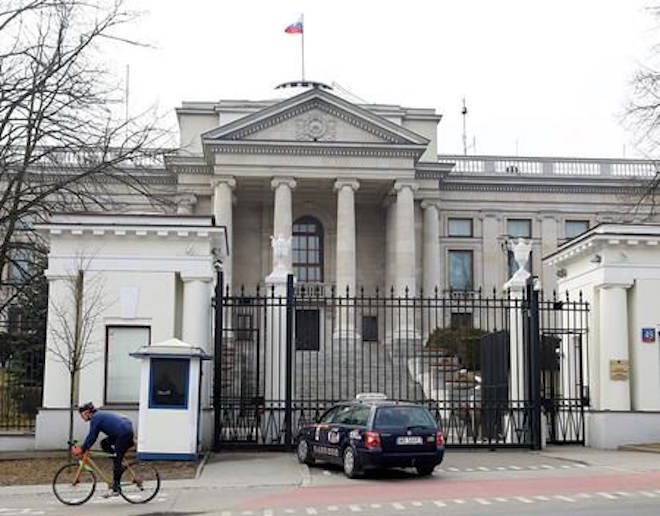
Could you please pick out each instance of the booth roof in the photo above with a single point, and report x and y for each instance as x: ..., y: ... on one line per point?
x: 171, y: 348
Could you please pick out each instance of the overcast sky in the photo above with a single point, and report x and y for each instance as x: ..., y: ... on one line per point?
x: 540, y: 77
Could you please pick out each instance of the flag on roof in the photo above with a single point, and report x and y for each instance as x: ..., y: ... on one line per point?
x: 295, y: 28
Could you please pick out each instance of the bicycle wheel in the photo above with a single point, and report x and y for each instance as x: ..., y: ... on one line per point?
x: 71, y: 487
x: 139, y: 482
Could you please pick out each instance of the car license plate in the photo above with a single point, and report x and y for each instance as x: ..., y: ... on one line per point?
x: 409, y: 440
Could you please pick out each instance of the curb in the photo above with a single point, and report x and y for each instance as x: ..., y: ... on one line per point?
x: 201, y: 465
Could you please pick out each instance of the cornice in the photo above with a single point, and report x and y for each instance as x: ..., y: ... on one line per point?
x: 536, y: 188
x: 285, y: 148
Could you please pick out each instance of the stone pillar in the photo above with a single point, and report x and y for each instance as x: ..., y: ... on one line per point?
x: 195, y: 324
x: 405, y: 238
x: 390, y: 242
x: 613, y: 332
x: 549, y: 238
x: 283, y: 213
x: 493, y: 259
x: 223, y: 200
x: 431, y: 258
x: 346, y: 257
x: 405, y: 327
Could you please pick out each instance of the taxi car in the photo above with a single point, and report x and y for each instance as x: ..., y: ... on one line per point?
x: 372, y: 432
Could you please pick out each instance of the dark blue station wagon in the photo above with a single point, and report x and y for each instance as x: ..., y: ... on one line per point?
x: 372, y: 432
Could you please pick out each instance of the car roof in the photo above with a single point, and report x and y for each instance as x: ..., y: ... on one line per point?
x: 378, y: 402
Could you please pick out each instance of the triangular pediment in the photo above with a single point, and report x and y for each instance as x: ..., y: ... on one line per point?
x: 315, y: 116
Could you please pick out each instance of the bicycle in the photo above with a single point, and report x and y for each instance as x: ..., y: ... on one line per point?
x: 75, y: 483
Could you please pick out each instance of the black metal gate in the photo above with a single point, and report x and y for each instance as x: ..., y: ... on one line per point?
x: 490, y: 368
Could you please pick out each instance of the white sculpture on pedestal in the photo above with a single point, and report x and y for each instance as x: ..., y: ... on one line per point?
x: 521, y: 251
x: 281, y: 258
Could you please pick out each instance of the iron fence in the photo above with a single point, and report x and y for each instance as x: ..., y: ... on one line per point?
x: 285, y: 355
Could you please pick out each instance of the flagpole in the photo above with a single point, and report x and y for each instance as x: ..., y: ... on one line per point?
x: 303, y: 46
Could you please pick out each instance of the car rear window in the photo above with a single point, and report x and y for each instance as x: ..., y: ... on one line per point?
x: 402, y: 417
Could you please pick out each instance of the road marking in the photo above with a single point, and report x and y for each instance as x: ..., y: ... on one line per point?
x: 398, y: 506
x: 247, y: 513
x: 533, y: 467
x: 326, y: 472
x: 648, y: 494
x: 268, y: 512
x: 468, y: 469
x: 607, y: 495
x: 225, y: 513
x: 523, y: 499
x: 547, y: 466
x: 452, y: 469
x: 290, y: 511
x: 542, y: 498
x: 565, y: 466
x: 515, y: 468
x: 501, y: 499
x: 355, y: 508
x: 332, y: 508
x: 622, y: 493
x: 481, y: 468
x: 439, y: 503
x: 311, y: 510
x: 416, y: 504
x: 482, y: 501
x: 584, y: 495
x: 564, y: 498
x: 500, y: 468
x: 458, y: 501
x: 375, y: 506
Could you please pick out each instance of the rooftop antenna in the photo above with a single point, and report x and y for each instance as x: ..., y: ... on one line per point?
x: 346, y: 92
x: 464, y: 113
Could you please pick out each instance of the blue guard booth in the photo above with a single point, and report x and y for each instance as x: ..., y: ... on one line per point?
x: 170, y: 381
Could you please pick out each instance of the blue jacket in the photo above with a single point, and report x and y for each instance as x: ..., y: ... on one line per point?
x: 112, y: 425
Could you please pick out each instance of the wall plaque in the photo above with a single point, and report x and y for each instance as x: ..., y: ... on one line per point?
x: 619, y: 370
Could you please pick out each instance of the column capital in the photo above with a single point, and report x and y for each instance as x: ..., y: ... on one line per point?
x: 230, y: 181
x: 401, y: 184
x: 187, y: 277
x: 429, y: 203
x: 353, y: 184
x: 614, y: 284
x: 277, y: 181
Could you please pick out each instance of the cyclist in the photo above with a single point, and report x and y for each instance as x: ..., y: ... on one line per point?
x: 119, y: 431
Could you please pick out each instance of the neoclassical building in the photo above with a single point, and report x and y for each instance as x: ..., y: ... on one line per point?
x: 370, y: 203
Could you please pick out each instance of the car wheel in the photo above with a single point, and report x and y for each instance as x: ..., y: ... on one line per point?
x: 425, y: 471
x: 303, y: 453
x: 351, y: 468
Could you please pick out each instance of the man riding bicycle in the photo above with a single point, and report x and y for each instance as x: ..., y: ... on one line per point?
x: 119, y: 431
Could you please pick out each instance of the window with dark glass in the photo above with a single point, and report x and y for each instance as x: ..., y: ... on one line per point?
x: 307, y: 330
x: 461, y: 320
x: 19, y: 266
x: 459, y: 227
x: 169, y: 383
x: 369, y: 328
x: 460, y: 270
x: 307, y: 249
x: 574, y: 228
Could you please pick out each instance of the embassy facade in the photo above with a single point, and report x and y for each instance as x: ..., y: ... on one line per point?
x: 387, y: 240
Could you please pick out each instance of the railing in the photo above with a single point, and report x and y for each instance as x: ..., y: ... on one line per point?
x: 535, y: 166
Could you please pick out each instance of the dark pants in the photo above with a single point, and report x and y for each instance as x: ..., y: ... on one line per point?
x: 119, y: 446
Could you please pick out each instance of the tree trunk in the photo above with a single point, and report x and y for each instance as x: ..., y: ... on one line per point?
x: 71, y: 408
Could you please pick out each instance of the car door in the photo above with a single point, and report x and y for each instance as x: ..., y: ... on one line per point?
x: 337, y: 432
x: 321, y: 446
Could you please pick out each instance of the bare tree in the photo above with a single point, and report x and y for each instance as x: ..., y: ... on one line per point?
x: 74, y: 317
x: 65, y: 144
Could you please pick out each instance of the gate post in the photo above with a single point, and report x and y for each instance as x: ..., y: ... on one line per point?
x: 217, y: 358
x: 534, y: 363
x: 288, y: 435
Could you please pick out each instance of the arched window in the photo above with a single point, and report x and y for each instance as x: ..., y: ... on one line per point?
x: 308, y: 249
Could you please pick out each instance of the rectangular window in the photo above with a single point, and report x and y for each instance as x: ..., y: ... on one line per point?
x: 574, y: 228
x: 307, y: 330
x: 461, y: 320
x: 460, y: 228
x: 519, y: 228
x: 20, y: 265
x: 460, y: 270
x: 168, y: 383
x: 369, y: 328
x: 122, y: 372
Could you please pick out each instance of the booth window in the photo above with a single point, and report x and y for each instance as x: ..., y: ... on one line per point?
x: 168, y: 383
x: 122, y: 372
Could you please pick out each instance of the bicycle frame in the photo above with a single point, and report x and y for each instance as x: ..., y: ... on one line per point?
x: 86, y: 462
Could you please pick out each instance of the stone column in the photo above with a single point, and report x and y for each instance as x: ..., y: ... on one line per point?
x: 283, y: 214
x: 346, y: 257
x: 549, y: 226
x: 390, y: 241
x: 404, y: 252
x: 195, y: 324
x: 493, y: 262
x: 405, y: 237
x: 431, y: 259
x: 613, y: 330
x: 223, y: 200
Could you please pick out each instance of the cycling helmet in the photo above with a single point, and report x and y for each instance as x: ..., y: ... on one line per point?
x: 87, y: 406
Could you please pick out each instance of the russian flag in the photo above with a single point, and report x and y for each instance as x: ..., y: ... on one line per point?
x: 295, y: 28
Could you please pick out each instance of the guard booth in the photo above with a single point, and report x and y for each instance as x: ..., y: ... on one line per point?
x: 170, y: 384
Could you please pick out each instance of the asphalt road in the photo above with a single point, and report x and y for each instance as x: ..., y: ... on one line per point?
x: 467, y: 483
